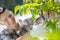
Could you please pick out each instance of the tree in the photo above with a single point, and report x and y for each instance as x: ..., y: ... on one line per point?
x: 37, y: 7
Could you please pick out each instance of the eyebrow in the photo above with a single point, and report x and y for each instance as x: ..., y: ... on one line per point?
x: 2, y: 11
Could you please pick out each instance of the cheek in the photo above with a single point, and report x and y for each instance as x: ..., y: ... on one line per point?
x: 6, y: 23
x: 3, y: 21
x: 15, y: 26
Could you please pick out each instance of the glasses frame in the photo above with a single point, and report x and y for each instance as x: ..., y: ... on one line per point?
x: 2, y: 11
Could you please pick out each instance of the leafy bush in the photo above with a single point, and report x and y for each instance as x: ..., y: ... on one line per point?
x: 38, y: 7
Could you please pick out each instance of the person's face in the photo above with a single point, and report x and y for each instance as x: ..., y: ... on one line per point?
x: 7, y: 19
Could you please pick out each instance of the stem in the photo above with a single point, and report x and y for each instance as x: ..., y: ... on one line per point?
x: 42, y: 15
x: 48, y: 14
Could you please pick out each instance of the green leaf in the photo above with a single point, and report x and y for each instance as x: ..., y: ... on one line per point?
x: 40, y: 1
x: 17, y: 8
x: 21, y: 12
x: 52, y: 24
x: 34, y: 11
x: 45, y: 7
x: 25, y: 10
x: 33, y: 18
x: 55, y: 35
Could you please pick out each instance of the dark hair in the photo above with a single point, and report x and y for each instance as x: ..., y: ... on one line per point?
x: 2, y: 10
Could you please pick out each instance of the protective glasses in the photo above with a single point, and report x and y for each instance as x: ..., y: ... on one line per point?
x: 2, y: 9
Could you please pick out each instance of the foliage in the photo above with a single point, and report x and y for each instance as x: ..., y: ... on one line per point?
x: 55, y: 35
x: 33, y: 38
x: 35, y: 7
x: 16, y: 9
x: 24, y: 9
x: 52, y: 24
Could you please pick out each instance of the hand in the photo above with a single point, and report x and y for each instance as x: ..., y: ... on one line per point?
x: 24, y: 37
x: 20, y: 38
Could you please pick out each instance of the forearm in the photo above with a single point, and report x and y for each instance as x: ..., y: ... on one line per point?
x: 24, y: 37
x: 27, y: 36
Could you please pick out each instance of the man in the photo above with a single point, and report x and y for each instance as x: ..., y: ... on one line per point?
x: 9, y: 27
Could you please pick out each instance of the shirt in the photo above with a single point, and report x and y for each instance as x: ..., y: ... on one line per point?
x: 6, y: 33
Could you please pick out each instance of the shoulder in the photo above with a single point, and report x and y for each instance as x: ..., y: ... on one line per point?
x: 2, y: 27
